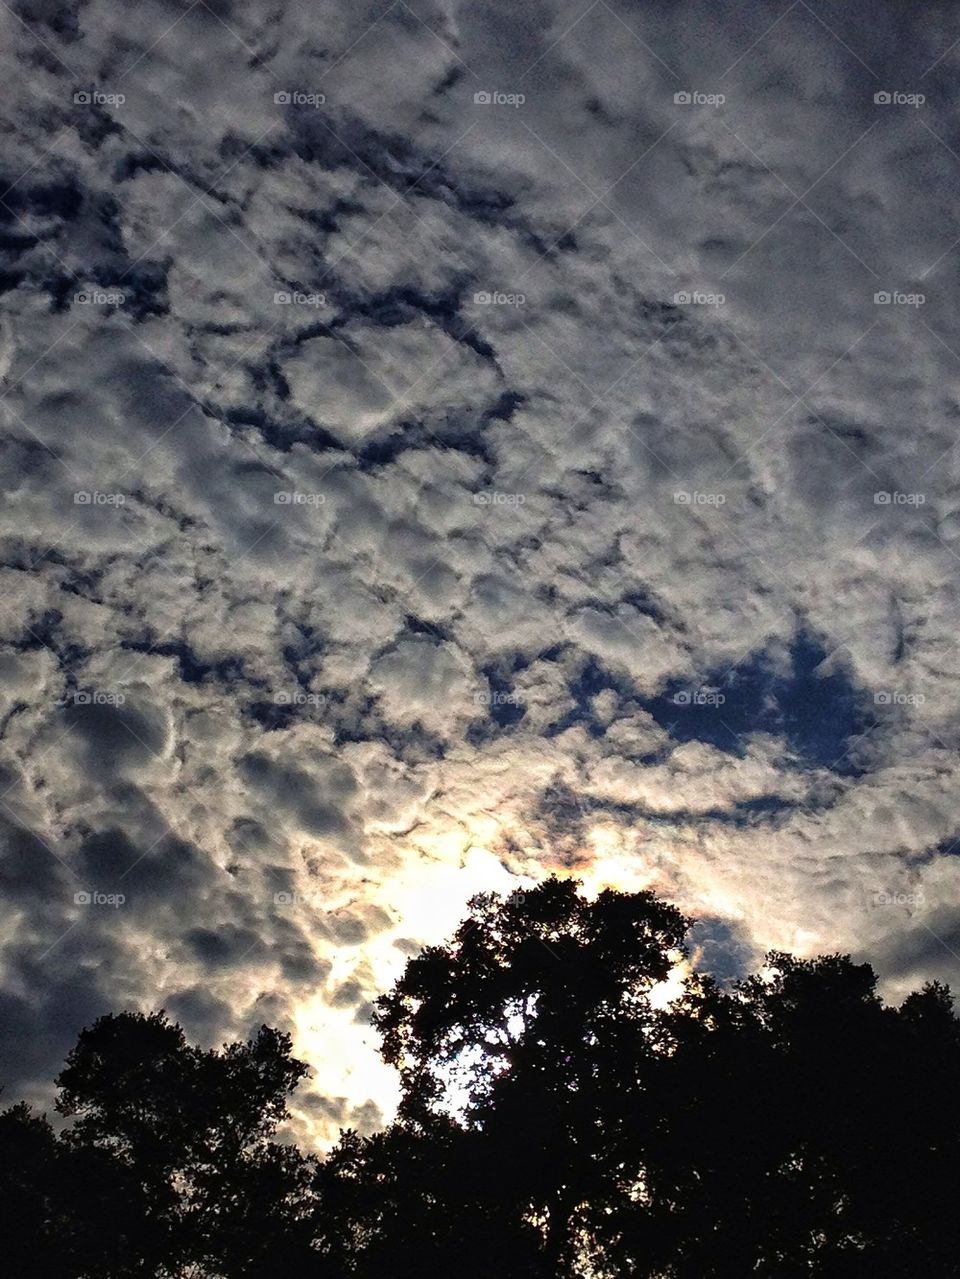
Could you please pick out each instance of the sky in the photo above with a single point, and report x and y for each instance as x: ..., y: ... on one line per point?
x: 445, y: 444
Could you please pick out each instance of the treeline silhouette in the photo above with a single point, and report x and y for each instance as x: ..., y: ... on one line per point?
x: 556, y: 1121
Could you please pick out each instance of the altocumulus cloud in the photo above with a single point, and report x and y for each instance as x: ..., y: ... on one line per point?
x: 448, y: 443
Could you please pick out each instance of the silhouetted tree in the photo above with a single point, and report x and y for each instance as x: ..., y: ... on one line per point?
x: 559, y: 1120
x: 180, y: 1137
x: 411, y: 1202
x: 535, y: 1025
x: 767, y: 1129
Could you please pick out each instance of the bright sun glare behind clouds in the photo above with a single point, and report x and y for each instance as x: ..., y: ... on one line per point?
x: 428, y: 894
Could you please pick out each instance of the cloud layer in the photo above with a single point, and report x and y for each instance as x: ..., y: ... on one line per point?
x: 444, y: 444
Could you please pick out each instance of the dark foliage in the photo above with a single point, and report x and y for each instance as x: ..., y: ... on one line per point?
x: 558, y: 1120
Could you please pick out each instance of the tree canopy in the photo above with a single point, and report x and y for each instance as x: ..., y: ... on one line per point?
x: 559, y: 1120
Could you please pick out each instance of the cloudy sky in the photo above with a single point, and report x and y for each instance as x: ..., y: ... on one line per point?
x: 446, y: 443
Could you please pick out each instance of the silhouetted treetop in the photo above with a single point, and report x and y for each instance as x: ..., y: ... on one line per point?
x: 559, y: 1120
x: 546, y: 969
